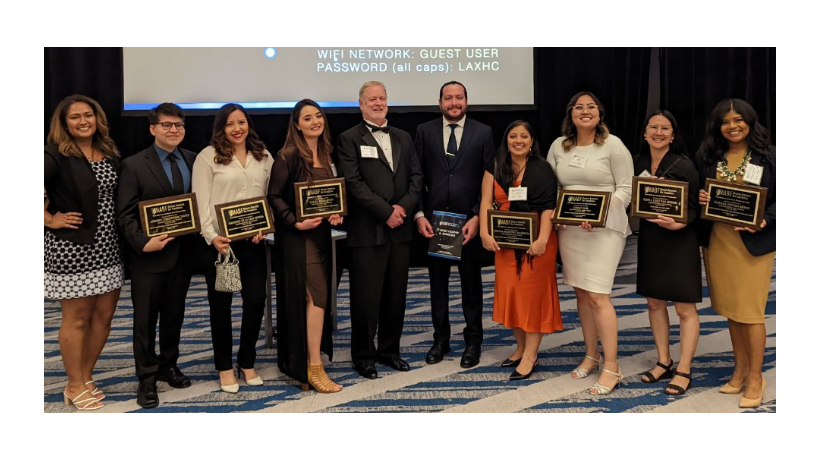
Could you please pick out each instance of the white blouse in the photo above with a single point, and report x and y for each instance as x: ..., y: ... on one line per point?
x: 606, y: 168
x: 216, y: 183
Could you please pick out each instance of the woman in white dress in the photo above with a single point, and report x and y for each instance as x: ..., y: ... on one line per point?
x: 587, y: 157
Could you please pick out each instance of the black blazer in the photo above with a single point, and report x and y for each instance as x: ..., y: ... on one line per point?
x: 457, y: 188
x: 142, y: 177
x: 71, y: 186
x: 373, y: 189
x: 758, y: 243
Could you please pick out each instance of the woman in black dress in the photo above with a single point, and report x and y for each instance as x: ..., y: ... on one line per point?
x: 303, y: 251
x: 668, y: 254
x: 83, y: 264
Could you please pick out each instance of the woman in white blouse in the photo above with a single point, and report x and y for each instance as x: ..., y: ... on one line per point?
x: 587, y: 157
x: 235, y: 166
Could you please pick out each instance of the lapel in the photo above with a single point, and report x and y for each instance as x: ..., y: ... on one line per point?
x: 368, y: 139
x: 438, y: 139
x: 155, y: 166
x: 667, y: 166
x: 395, y: 145
x: 83, y: 177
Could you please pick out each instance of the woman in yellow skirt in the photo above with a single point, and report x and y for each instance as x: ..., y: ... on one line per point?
x: 739, y: 260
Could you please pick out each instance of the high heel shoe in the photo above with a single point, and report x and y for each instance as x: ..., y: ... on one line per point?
x: 748, y: 403
x: 666, y: 375
x: 581, y: 373
x: 232, y: 388
x: 517, y: 376
x: 510, y: 363
x: 96, y: 392
x: 680, y: 390
x: 601, y: 390
x: 82, y: 404
x: 730, y: 390
x: 255, y: 382
x: 318, y: 379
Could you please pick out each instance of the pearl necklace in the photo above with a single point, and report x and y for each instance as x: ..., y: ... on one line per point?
x: 732, y: 175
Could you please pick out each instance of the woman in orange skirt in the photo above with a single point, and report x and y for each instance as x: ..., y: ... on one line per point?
x: 526, y: 290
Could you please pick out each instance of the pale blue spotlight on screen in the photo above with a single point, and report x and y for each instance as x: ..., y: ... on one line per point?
x: 273, y: 78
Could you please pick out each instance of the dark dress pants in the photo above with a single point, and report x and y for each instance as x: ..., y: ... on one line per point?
x: 253, y: 273
x: 472, y: 295
x: 378, y: 290
x: 158, y: 295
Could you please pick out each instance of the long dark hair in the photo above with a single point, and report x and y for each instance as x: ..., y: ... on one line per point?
x: 569, y: 130
x: 220, y: 142
x: 678, y: 146
x: 714, y: 145
x: 296, y: 146
x: 504, y: 173
x: 58, y: 130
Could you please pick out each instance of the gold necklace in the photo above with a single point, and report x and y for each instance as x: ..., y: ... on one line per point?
x: 739, y: 171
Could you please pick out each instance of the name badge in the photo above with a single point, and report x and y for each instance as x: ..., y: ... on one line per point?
x: 369, y: 152
x: 333, y: 168
x: 578, y: 161
x: 518, y: 194
x: 753, y: 174
x: 645, y: 173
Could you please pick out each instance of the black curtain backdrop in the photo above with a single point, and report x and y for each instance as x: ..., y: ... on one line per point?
x: 694, y: 80
x: 690, y: 81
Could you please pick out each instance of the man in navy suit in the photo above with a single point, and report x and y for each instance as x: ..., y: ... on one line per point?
x: 161, y: 265
x: 454, y: 151
x: 383, y: 181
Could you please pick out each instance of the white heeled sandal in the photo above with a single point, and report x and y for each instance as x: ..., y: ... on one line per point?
x: 600, y: 390
x: 581, y: 373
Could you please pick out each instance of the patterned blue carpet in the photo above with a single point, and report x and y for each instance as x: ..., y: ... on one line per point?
x: 444, y: 387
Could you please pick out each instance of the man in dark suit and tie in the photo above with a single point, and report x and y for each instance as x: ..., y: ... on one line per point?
x: 454, y: 152
x: 161, y: 265
x: 383, y: 180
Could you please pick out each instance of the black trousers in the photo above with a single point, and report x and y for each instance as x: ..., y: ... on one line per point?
x: 253, y: 272
x: 472, y: 295
x: 158, y: 296
x: 378, y: 290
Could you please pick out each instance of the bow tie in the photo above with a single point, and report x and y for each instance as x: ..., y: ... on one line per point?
x: 374, y: 128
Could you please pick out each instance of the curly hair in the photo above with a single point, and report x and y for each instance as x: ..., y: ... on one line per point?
x: 223, y: 146
x: 569, y: 130
x: 714, y: 145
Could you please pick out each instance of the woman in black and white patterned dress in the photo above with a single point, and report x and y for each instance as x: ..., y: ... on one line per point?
x: 83, y: 264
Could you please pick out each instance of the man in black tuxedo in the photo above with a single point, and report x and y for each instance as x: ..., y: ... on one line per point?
x: 454, y: 152
x: 383, y: 180
x: 161, y: 265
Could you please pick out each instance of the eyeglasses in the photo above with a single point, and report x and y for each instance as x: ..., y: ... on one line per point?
x: 581, y: 107
x: 666, y: 129
x: 166, y: 125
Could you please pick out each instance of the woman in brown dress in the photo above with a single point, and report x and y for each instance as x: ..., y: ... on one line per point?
x: 739, y: 260
x: 303, y: 251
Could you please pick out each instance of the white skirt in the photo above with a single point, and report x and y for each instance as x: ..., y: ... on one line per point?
x: 590, y: 259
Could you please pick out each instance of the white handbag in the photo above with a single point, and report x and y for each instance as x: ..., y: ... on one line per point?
x: 227, y: 272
